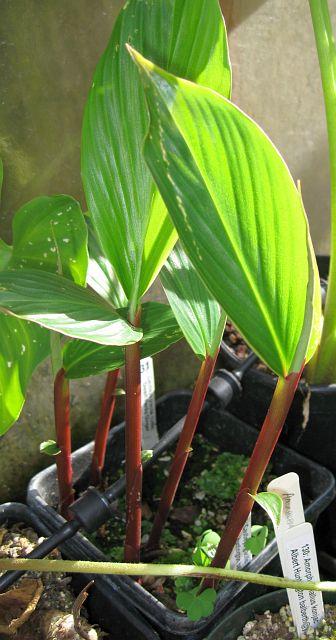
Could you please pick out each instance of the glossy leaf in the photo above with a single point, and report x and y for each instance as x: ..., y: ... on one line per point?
x: 100, y: 275
x: 272, y: 504
x: 50, y: 233
x: 23, y: 346
x: 160, y: 330
x: 188, y: 37
x: 195, y: 309
x: 238, y: 213
x: 58, y: 304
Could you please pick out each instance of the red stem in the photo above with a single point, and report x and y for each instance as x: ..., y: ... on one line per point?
x: 264, y: 447
x: 133, y: 434
x: 63, y: 437
x: 103, y: 427
x: 182, y: 450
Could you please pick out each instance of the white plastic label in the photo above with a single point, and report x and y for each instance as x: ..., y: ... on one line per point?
x: 240, y: 556
x: 150, y: 435
x: 299, y: 562
x: 288, y: 487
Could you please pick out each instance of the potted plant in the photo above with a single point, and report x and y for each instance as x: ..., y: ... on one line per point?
x: 190, y: 125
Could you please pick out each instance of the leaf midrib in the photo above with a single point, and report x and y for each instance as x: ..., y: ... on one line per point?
x: 213, y: 199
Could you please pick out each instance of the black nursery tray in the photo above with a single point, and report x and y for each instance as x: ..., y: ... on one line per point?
x: 229, y: 434
x: 105, y: 608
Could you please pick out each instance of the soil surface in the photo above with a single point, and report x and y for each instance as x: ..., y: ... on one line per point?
x: 39, y: 606
x: 279, y: 626
x: 204, y: 499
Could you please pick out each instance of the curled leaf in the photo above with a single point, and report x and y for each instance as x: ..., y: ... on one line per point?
x: 18, y: 604
x: 271, y: 503
x: 50, y: 448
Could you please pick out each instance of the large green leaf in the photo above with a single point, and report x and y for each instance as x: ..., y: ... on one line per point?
x: 238, y: 213
x: 197, y: 312
x: 160, y: 330
x: 23, y: 346
x: 50, y: 233
x: 188, y: 37
x: 58, y: 304
x: 100, y: 275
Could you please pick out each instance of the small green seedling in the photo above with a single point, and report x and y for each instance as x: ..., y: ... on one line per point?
x: 197, y: 605
x: 206, y: 548
x: 50, y: 448
x: 258, y: 540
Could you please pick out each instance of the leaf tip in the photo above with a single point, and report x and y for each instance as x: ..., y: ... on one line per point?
x: 138, y: 58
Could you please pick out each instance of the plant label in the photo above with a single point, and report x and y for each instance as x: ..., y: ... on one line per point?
x: 288, y: 487
x: 240, y: 556
x: 299, y: 562
x: 150, y: 434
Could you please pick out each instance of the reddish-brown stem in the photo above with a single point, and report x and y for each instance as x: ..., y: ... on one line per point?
x: 63, y: 437
x: 264, y: 447
x: 182, y: 450
x: 103, y: 426
x: 133, y: 450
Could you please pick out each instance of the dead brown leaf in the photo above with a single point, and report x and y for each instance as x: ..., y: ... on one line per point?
x: 17, y: 605
x: 82, y: 596
x: 2, y: 534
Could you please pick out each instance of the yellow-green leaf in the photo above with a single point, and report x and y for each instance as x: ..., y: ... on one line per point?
x: 238, y: 213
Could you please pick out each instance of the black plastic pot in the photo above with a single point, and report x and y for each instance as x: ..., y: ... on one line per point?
x: 229, y: 434
x: 232, y: 626
x: 105, y: 607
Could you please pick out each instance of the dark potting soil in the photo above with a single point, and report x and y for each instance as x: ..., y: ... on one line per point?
x: 39, y: 606
x: 235, y: 341
x: 279, y: 626
x: 203, y: 501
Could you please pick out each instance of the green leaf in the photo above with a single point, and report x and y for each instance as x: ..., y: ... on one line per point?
x: 195, y: 309
x: 205, y: 549
x: 187, y: 37
x: 238, y: 213
x: 257, y: 542
x: 5, y: 254
x: 50, y: 448
x: 160, y: 330
x: 50, y: 233
x: 100, y: 275
x: 146, y: 455
x: 23, y: 346
x: 58, y: 304
x: 271, y: 503
x: 197, y: 605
